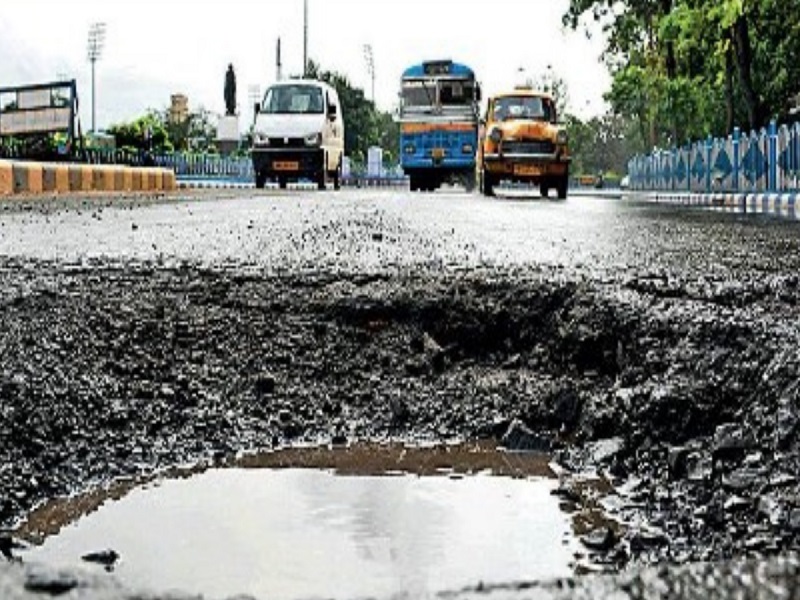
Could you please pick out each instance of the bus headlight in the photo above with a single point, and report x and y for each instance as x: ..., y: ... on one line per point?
x: 467, y: 149
x: 261, y: 139
x: 410, y: 149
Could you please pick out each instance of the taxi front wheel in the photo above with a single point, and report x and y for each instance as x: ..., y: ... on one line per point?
x: 487, y: 184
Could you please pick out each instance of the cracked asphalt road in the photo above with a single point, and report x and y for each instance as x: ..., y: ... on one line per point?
x: 655, y: 345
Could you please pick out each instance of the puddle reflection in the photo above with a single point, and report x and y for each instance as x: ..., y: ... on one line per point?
x: 291, y: 533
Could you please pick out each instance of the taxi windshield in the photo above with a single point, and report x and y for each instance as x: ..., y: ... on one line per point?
x: 522, y: 107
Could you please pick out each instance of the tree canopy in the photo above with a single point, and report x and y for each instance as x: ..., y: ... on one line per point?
x: 685, y: 69
x: 366, y: 126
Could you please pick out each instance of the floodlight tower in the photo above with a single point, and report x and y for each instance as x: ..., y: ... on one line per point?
x: 369, y: 57
x: 97, y: 38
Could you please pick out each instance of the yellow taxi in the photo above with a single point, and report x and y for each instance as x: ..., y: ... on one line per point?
x: 521, y: 141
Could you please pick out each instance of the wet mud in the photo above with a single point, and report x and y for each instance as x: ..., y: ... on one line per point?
x: 682, y: 401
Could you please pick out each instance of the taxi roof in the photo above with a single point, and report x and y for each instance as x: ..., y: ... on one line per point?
x: 525, y: 91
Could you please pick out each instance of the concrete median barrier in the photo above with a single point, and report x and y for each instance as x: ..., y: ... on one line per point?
x: 6, y: 178
x: 156, y: 179
x: 137, y: 180
x: 23, y: 177
x: 104, y: 179
x: 55, y: 178
x: 28, y: 178
x: 126, y: 183
x: 81, y: 178
x: 170, y: 181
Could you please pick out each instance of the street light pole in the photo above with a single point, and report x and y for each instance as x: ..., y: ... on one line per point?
x: 305, y: 38
x: 97, y: 37
x: 369, y: 57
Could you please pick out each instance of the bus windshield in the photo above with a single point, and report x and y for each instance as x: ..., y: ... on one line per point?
x: 293, y: 99
x: 427, y: 94
x: 453, y: 92
x: 419, y: 94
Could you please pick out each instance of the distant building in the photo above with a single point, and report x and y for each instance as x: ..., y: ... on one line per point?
x: 179, y: 109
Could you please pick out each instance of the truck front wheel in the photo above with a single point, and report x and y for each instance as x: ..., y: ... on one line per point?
x: 563, y: 185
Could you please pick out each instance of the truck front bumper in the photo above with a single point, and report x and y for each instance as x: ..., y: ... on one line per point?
x: 289, y: 163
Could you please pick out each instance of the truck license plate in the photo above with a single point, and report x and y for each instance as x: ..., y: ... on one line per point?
x: 526, y: 170
x: 285, y: 165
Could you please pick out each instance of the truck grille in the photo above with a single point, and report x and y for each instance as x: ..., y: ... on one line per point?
x: 279, y: 142
x: 528, y: 147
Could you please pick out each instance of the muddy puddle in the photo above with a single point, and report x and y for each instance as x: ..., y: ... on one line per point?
x: 346, y: 523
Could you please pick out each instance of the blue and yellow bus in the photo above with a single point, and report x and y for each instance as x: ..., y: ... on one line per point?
x: 439, y: 112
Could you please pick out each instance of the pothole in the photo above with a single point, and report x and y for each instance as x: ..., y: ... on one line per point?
x: 368, y: 521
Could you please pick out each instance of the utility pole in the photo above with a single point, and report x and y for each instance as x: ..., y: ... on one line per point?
x: 305, y: 38
x: 369, y: 57
x: 97, y: 38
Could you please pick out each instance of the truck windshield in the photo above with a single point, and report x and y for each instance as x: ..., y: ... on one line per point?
x: 293, y: 99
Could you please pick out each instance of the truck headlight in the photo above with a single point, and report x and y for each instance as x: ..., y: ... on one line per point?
x: 313, y: 139
x: 496, y: 135
x: 561, y: 137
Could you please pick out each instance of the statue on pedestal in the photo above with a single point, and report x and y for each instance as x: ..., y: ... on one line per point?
x: 230, y: 92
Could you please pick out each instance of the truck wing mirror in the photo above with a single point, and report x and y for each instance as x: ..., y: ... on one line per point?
x: 332, y: 111
x: 257, y: 107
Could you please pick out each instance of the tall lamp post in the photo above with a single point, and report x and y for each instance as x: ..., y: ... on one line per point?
x: 305, y: 38
x: 97, y: 38
x: 370, y: 58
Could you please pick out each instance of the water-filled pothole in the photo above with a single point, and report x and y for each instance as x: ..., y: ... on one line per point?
x: 359, y: 522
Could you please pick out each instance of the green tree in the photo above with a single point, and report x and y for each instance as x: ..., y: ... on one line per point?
x: 155, y: 131
x: 365, y: 125
x: 557, y: 87
x: 683, y: 69
x: 144, y: 133
x: 603, y: 144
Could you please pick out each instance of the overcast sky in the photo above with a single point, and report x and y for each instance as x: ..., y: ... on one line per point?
x: 155, y: 48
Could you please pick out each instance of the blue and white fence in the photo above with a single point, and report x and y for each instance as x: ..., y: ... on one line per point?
x: 207, y: 166
x: 765, y: 161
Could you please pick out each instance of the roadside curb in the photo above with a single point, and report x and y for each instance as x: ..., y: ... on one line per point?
x: 776, y: 204
x: 26, y: 177
x: 220, y: 184
x: 196, y: 184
